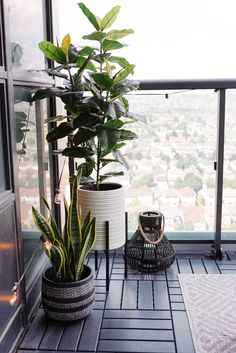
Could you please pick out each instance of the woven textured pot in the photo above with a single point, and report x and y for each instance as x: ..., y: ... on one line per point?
x: 107, y: 204
x: 68, y: 301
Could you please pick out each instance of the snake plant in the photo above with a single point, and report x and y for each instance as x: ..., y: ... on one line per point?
x: 67, y: 250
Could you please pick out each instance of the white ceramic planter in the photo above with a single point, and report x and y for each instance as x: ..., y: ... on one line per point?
x: 107, y: 204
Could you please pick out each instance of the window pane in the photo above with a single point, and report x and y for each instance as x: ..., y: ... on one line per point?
x: 171, y: 161
x: 32, y: 161
x: 229, y: 186
x: 26, y: 31
x: 2, y: 166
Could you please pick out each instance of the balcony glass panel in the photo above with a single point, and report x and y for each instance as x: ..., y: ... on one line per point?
x: 229, y: 185
x: 32, y: 161
x: 26, y: 31
x: 172, y: 160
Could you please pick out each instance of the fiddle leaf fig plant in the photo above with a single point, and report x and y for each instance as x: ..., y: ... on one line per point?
x: 94, y: 88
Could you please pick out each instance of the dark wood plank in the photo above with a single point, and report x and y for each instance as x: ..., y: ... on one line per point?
x: 161, y: 298
x: 71, y: 336
x: 137, y: 314
x: 211, y: 266
x: 53, y: 335
x: 129, y: 295
x: 145, y: 295
x: 183, y: 336
x: 137, y: 324
x: 139, y: 335
x: 197, y: 266
x: 184, y: 266
x: 114, y: 295
x: 91, y: 331
x: 36, y: 331
x: 136, y: 346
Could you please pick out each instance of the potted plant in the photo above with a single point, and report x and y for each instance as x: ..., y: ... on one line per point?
x: 67, y: 286
x: 97, y: 116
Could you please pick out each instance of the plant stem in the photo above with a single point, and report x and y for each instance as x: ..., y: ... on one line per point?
x: 98, y: 165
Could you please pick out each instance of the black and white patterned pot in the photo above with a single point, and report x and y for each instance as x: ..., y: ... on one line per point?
x: 68, y: 301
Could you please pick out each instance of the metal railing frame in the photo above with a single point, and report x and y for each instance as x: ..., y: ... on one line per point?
x: 220, y: 85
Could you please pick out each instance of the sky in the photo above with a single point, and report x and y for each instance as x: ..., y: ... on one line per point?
x: 172, y: 38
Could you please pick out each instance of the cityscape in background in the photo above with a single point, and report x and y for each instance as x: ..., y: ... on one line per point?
x: 171, y: 163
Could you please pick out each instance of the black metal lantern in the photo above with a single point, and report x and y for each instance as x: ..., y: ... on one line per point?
x: 149, y: 250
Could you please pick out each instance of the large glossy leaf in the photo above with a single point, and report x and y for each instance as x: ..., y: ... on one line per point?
x: 123, y: 87
x: 108, y: 138
x: 52, y: 52
x: 88, y: 85
x: 82, y: 136
x: 43, y: 225
x: 48, y: 93
x: 125, y: 103
x: 119, y: 109
x: 90, y: 16
x: 95, y: 36
x: 114, y: 124
x: 78, y: 152
x: 57, y: 72
x: 71, y: 99
x: 85, y: 119
x: 108, y: 45
x: 124, y: 73
x: 87, y: 167
x: 85, y: 51
x: 73, y: 54
x: 117, y: 34
x: 65, y: 44
x: 103, y: 80
x: 110, y: 17
x: 127, y: 135
x: 119, y: 60
x: 60, y: 131
x: 89, y: 65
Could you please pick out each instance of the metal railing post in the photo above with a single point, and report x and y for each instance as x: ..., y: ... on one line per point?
x: 220, y: 172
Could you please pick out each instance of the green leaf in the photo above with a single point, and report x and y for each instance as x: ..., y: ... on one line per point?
x: 137, y: 117
x: 85, y: 51
x: 127, y: 134
x: 119, y: 60
x: 90, y: 238
x: 48, y: 93
x: 117, y: 34
x: 43, y: 225
x: 95, y: 36
x: 108, y: 138
x: 59, y: 132
x: 108, y: 44
x: 82, y: 136
x: 87, y: 167
x: 89, y: 65
x: 52, y: 52
x: 78, y: 152
x: 74, y: 222
x: 125, y: 103
x: 110, y: 17
x: 114, y: 124
x: 103, y: 80
x: 119, y: 157
x: 90, y: 16
x: 123, y: 87
x: 124, y: 73
x: 85, y: 119
x: 106, y: 161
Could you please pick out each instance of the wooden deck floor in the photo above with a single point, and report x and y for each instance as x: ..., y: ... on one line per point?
x: 143, y: 313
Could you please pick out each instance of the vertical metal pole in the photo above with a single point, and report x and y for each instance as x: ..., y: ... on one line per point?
x: 96, y: 259
x: 220, y: 171
x: 107, y: 256
x: 126, y: 240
